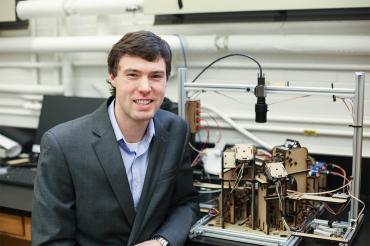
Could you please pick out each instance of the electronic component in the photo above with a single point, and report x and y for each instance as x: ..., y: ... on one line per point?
x: 284, y: 195
x: 193, y: 115
x: 244, y: 152
x: 316, y: 168
x: 240, y: 153
x: 275, y: 170
x: 229, y: 158
x: 290, y: 143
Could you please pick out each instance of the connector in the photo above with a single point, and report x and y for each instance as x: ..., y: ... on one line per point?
x: 193, y: 115
x: 261, y: 106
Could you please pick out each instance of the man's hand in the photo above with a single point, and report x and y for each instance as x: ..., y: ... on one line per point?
x: 149, y: 243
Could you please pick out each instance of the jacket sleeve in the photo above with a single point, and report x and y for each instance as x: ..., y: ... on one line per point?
x: 185, y: 204
x: 53, y: 215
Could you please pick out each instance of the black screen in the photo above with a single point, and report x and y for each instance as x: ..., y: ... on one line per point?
x: 59, y: 109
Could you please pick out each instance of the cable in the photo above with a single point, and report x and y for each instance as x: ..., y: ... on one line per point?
x: 238, y: 128
x: 278, y: 194
x: 349, y: 109
x: 195, y: 94
x: 213, y: 212
x: 360, y: 201
x: 209, y: 191
x: 182, y: 50
x: 288, y: 99
x: 195, y: 149
x: 229, y: 97
x: 200, y: 152
x: 223, y: 57
x: 344, y: 173
x: 345, y: 179
x: 323, y: 192
x: 218, y: 128
x: 287, y: 227
x: 339, y: 211
x: 262, y: 152
x: 238, y: 178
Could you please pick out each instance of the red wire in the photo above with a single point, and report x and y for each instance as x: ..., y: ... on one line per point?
x: 218, y: 127
x: 343, y: 172
x: 345, y: 181
x: 198, y: 157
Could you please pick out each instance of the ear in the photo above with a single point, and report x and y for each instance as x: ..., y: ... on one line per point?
x: 112, y: 80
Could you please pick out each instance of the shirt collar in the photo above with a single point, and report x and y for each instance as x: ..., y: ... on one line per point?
x: 145, y: 142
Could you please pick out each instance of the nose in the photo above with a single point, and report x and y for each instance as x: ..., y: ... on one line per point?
x: 144, y: 85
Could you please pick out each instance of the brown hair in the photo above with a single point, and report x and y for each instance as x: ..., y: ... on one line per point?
x: 143, y: 44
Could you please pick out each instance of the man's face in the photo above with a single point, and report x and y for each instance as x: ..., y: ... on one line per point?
x: 140, y: 88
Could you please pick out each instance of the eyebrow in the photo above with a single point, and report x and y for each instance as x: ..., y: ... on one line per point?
x: 131, y: 70
x: 136, y: 70
x: 158, y: 72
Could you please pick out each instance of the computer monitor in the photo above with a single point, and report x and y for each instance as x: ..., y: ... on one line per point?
x: 59, y: 109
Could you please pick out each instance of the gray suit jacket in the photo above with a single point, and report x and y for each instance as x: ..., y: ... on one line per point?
x: 82, y: 195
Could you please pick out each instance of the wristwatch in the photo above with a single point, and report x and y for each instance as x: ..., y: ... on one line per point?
x: 162, y: 240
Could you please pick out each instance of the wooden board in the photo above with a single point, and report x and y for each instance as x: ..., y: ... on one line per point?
x: 301, y: 234
x: 300, y: 196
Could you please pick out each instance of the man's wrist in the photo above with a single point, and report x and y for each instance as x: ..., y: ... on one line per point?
x: 162, y: 240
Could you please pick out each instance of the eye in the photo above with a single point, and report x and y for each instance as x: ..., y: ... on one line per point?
x: 158, y: 76
x: 132, y: 75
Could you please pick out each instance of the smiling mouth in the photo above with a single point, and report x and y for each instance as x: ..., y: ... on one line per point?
x: 143, y: 101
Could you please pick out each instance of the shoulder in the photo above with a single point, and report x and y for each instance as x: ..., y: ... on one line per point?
x: 72, y: 126
x: 169, y: 120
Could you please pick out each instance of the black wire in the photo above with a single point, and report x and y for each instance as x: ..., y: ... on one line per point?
x: 223, y: 57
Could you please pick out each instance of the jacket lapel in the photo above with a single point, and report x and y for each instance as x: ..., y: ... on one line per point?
x: 156, y: 153
x: 107, y: 150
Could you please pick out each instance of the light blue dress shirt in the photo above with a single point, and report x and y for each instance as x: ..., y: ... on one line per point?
x: 134, y: 158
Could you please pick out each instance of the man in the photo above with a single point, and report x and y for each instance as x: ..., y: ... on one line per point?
x: 119, y: 176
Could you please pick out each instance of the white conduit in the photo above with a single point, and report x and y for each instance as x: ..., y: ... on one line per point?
x: 299, y: 44
x: 291, y: 119
x: 32, y: 89
x: 30, y: 65
x: 310, y: 44
x: 26, y: 105
x: 238, y: 127
x: 292, y: 130
x: 57, y: 44
x: 61, y: 8
x: 31, y: 97
x: 18, y: 112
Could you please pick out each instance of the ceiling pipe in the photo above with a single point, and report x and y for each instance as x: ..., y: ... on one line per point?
x: 30, y: 65
x: 283, y: 44
x: 309, y: 44
x: 62, y: 8
x: 57, y: 44
x: 31, y: 89
x: 38, y: 9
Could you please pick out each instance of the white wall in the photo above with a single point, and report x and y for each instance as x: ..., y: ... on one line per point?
x: 84, y: 73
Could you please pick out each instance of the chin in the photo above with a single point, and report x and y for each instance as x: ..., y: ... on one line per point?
x: 144, y: 116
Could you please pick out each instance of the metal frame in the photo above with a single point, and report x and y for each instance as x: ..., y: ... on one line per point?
x: 243, y: 237
x: 356, y: 94
x: 358, y: 122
